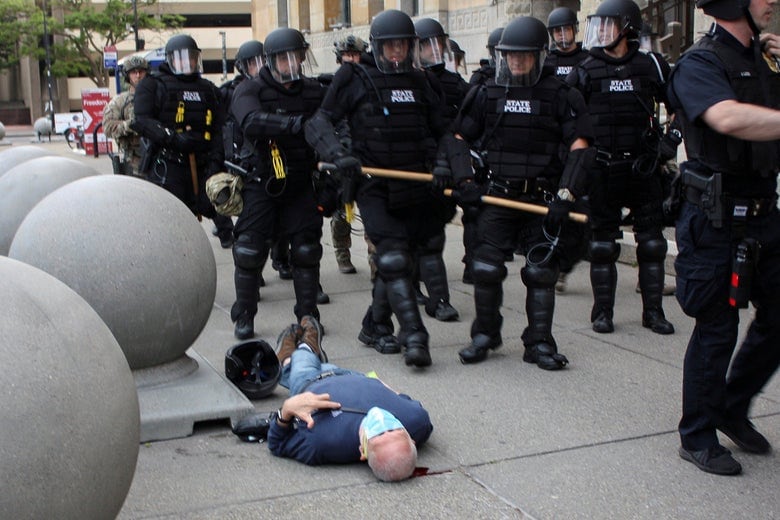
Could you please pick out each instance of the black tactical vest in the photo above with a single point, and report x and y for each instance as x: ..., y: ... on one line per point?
x: 621, y: 96
x: 188, y: 104
x: 303, y: 98
x: 727, y: 154
x: 562, y: 64
x: 526, y: 141
x: 391, y: 129
x: 454, y: 90
x: 232, y: 136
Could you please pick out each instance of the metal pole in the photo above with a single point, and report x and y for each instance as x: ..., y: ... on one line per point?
x: 48, y: 64
x: 224, y: 56
x: 135, y: 25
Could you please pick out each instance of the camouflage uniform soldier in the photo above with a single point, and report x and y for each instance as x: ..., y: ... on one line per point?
x: 119, y: 113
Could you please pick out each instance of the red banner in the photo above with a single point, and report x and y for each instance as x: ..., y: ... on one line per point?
x: 93, y: 101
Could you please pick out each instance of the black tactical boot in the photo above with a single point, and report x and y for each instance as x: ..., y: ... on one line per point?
x: 416, y: 352
x: 378, y: 335
x: 477, y: 351
x: 545, y: 356
x: 603, y: 279
x: 655, y: 320
x: 245, y: 327
x: 651, y: 280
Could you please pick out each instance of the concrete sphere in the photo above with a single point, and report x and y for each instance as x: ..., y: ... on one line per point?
x: 19, y: 154
x: 25, y: 185
x: 135, y: 253
x: 42, y: 126
x: 2, y: 131
x: 70, y: 420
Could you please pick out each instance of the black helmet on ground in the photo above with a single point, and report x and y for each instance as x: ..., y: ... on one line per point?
x: 613, y: 21
x: 253, y: 367
x: 435, y: 46
x: 183, y: 55
x: 394, y: 42
x: 521, y: 52
x: 249, y: 58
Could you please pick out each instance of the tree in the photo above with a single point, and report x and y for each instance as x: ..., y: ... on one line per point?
x: 85, y: 28
x: 15, y: 23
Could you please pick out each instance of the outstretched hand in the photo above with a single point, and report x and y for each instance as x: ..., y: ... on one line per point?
x: 304, y: 404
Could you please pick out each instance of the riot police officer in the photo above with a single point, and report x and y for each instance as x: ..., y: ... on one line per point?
x: 521, y: 119
x: 435, y: 53
x: 394, y: 117
x: 622, y: 86
x: 565, y: 50
x: 180, y: 112
x: 279, y: 201
x: 487, y: 66
x: 565, y: 53
x: 249, y: 59
x: 729, y: 213
x: 119, y: 114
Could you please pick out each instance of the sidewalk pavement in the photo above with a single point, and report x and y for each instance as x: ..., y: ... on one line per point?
x: 596, y: 440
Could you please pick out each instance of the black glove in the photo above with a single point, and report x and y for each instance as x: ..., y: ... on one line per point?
x: 185, y: 142
x: 295, y: 125
x: 442, y: 176
x: 557, y: 215
x: 469, y: 194
x: 667, y: 147
x: 347, y: 167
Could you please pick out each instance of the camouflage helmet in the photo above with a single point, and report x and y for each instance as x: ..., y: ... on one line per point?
x: 134, y: 63
x: 349, y: 44
x: 224, y: 192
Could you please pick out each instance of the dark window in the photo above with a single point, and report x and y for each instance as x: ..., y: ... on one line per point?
x: 218, y: 20
x: 215, y: 66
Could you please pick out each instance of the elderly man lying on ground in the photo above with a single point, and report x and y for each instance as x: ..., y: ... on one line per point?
x: 336, y: 415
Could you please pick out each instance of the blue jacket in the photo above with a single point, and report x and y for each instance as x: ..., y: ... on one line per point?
x: 334, y: 437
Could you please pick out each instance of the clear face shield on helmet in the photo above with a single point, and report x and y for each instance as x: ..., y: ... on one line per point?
x: 563, y: 38
x: 435, y: 50
x: 250, y: 67
x: 601, y: 31
x: 397, y: 55
x: 185, y: 61
x: 292, y: 65
x: 519, y: 68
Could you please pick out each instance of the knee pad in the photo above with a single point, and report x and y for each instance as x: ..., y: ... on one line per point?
x: 604, y: 252
x: 248, y: 253
x: 534, y: 276
x: 307, y: 254
x: 650, y: 249
x: 484, y: 272
x: 393, y: 264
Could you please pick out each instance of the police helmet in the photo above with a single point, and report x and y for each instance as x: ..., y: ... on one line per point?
x: 349, y: 44
x: 134, y: 63
x: 724, y: 9
x: 493, y: 38
x: 559, y: 19
x: 285, y: 52
x: 253, y: 367
x: 528, y: 36
x: 434, y: 43
x: 249, y: 55
x: 394, y: 42
x: 183, y: 55
x: 612, y: 21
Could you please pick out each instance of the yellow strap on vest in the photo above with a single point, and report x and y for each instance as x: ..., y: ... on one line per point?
x: 180, y: 112
x: 276, y: 161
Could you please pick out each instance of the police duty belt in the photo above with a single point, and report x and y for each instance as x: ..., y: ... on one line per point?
x: 369, y: 171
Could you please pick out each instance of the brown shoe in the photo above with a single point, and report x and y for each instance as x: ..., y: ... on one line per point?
x: 312, y: 336
x: 288, y: 341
